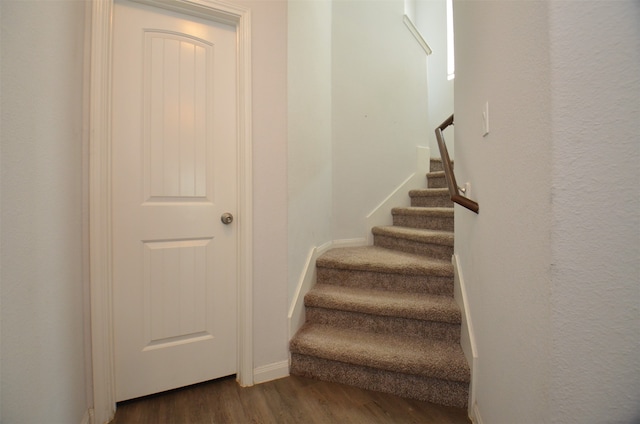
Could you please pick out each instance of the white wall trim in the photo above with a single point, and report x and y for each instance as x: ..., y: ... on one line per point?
x: 87, y: 418
x: 416, y: 33
x: 467, y: 335
x: 271, y: 372
x: 100, y: 191
x: 100, y: 213
x: 296, y: 315
x: 381, y: 214
x: 476, y: 418
x: 354, y: 242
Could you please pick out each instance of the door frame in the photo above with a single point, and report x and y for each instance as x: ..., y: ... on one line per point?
x: 100, y: 231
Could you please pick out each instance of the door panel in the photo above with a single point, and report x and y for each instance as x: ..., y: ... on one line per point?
x: 176, y: 89
x: 174, y: 174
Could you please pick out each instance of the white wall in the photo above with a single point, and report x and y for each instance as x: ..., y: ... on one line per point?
x: 357, y: 111
x: 42, y: 354
x: 309, y: 154
x: 42, y: 358
x: 505, y: 251
x: 551, y: 261
x: 431, y: 20
x: 595, y: 55
x: 269, y: 62
x: 379, y: 108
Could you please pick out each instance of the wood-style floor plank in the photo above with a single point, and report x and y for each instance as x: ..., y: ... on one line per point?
x: 289, y: 400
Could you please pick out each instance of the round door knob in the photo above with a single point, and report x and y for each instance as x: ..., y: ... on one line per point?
x: 226, y: 218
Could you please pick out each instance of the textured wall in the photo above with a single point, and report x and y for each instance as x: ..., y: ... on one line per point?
x: 42, y: 362
x: 505, y: 251
x: 595, y: 52
x: 551, y: 261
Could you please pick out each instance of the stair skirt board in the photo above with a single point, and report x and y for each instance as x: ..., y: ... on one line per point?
x: 296, y: 315
x: 467, y: 334
x: 381, y: 214
x: 443, y: 392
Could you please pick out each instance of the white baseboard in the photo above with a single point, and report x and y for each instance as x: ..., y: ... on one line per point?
x: 381, y: 214
x: 354, y: 242
x: 271, y: 372
x: 476, y: 418
x: 87, y: 418
x: 467, y: 335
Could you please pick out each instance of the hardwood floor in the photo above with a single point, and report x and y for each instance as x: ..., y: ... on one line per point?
x: 288, y: 400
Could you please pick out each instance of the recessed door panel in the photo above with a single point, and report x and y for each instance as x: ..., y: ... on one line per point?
x: 176, y: 277
x: 178, y: 83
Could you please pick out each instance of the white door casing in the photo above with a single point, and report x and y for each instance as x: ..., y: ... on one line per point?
x: 173, y: 173
x: 101, y: 283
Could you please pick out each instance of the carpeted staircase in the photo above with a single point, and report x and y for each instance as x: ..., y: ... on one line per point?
x: 383, y: 317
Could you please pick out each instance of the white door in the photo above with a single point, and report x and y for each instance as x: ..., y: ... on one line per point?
x: 174, y: 172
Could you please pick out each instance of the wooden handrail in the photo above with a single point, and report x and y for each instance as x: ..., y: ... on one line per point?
x: 454, y: 190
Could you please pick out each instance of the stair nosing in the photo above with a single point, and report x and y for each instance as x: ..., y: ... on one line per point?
x: 429, y: 358
x: 405, y: 263
x: 441, y: 212
x: 429, y: 192
x: 415, y: 306
x: 422, y: 235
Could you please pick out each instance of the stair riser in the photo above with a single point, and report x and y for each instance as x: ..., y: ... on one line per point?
x: 443, y: 392
x: 442, y: 286
x: 424, y: 221
x: 436, y: 251
x: 432, y: 201
x: 435, y: 165
x: 436, y: 182
x: 383, y: 324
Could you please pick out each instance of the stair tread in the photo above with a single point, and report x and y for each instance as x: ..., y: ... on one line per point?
x: 384, y: 303
x: 379, y: 259
x: 431, y: 358
x: 427, y: 192
x: 419, y: 210
x: 445, y: 238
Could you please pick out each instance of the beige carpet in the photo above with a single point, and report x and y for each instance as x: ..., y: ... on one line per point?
x: 383, y: 317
